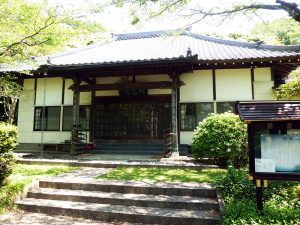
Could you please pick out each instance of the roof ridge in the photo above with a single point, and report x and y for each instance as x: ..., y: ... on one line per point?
x: 253, y: 45
x: 74, y: 50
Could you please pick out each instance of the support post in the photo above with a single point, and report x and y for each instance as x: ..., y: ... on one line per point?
x: 76, y: 103
x: 259, y: 197
x: 175, y: 85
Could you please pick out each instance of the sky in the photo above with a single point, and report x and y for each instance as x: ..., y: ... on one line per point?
x: 117, y: 20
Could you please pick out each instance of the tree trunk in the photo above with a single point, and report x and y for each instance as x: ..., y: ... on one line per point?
x: 10, y: 104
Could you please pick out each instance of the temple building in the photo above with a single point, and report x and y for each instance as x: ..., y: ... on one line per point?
x: 140, y: 86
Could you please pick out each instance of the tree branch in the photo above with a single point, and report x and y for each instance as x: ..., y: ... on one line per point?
x: 291, y: 8
x: 49, y: 22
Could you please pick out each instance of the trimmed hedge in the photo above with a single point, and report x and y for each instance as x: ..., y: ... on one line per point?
x: 222, y: 137
x: 8, y: 142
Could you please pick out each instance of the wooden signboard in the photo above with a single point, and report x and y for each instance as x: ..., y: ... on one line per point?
x: 273, y: 140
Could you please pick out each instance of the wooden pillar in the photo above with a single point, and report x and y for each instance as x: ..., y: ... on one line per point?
x: 175, y: 85
x: 76, y: 104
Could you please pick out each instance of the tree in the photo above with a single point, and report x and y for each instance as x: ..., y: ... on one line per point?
x: 10, y: 92
x: 292, y: 88
x: 278, y: 32
x: 29, y: 30
x: 165, y: 6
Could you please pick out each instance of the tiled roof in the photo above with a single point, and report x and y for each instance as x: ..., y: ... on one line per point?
x: 269, y: 111
x: 158, y: 45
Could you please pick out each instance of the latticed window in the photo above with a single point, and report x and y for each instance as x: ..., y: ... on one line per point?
x: 193, y: 113
x: 225, y: 107
x: 49, y: 120
x: 84, y: 117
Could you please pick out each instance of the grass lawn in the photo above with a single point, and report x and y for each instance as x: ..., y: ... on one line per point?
x: 164, y: 174
x: 23, y: 175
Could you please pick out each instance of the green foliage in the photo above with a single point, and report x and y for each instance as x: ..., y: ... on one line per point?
x: 292, y: 88
x: 8, y: 142
x: 38, y: 170
x: 34, y: 29
x: 22, y: 176
x: 9, y: 192
x: 10, y: 92
x: 240, y: 186
x: 163, y: 174
x: 222, y: 137
x: 278, y: 32
x: 281, y: 200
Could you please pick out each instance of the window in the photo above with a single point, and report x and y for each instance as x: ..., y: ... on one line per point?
x: 225, y: 107
x: 84, y: 117
x: 50, y: 119
x: 193, y: 113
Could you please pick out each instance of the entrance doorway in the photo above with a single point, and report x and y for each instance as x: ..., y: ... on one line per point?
x: 132, y: 118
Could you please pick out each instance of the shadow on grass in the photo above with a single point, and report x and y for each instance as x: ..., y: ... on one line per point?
x: 164, y: 174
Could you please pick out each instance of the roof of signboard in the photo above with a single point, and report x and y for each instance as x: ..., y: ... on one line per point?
x: 269, y: 111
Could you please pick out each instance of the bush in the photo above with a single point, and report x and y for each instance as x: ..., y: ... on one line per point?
x: 222, y: 137
x: 8, y: 142
x: 281, y: 200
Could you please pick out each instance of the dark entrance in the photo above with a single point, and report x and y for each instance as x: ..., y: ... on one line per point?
x: 132, y: 118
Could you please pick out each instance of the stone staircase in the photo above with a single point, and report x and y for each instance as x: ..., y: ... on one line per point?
x: 126, y: 201
x: 130, y: 148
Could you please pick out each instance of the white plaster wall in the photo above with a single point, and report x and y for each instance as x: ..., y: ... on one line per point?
x: 68, y: 100
x: 198, y: 86
x: 53, y: 93
x: 233, y: 84
x: 186, y: 137
x: 107, y: 80
x: 53, y: 97
x: 26, y: 112
x: 85, y: 97
x: 107, y: 93
x: 148, y: 78
x: 263, y: 84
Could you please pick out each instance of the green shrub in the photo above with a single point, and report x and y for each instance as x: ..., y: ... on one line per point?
x: 236, y: 185
x: 281, y: 200
x: 8, y: 142
x: 222, y: 137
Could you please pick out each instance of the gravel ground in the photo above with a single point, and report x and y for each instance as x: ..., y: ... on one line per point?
x: 26, y: 218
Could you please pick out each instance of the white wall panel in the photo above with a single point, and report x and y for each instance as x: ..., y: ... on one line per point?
x: 186, y: 137
x: 53, y: 93
x: 233, y: 84
x: 198, y: 86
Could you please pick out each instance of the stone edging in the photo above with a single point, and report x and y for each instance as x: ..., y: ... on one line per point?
x: 114, y: 164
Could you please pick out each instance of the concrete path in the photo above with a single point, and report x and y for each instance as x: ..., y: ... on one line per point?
x: 27, y: 218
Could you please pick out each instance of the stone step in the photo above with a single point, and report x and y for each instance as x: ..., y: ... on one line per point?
x: 112, y: 213
x: 113, y: 198
x: 128, y: 142
x: 203, y: 190
x: 128, y: 145
x: 127, y: 152
x: 140, y: 148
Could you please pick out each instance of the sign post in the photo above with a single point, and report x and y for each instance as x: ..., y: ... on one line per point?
x: 273, y: 140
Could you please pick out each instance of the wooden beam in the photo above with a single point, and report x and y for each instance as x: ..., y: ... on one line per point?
x: 124, y: 86
x: 252, y: 83
x: 89, y: 81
